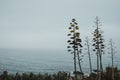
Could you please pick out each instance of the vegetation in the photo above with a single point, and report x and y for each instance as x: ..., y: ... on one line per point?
x: 107, y: 75
x: 32, y: 76
x: 75, y: 44
x: 98, y: 47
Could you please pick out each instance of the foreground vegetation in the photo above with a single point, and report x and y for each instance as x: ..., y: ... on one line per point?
x: 31, y: 76
x: 107, y: 75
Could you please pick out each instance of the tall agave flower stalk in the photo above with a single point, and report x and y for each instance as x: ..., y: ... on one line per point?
x: 74, y: 43
x: 112, y: 57
x: 88, y: 51
x: 98, y: 47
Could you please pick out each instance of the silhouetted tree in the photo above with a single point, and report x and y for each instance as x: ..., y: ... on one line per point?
x: 4, y: 76
x: 75, y: 43
x: 98, y: 47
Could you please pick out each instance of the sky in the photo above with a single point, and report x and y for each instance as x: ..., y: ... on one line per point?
x: 43, y: 24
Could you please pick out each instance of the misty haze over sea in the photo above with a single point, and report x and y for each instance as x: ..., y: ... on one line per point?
x: 46, y: 61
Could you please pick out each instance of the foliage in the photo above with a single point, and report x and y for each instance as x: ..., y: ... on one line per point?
x: 32, y: 76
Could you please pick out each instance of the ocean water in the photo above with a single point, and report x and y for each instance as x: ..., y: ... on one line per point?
x: 46, y: 61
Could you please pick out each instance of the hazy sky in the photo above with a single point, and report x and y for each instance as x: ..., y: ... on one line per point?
x: 43, y: 24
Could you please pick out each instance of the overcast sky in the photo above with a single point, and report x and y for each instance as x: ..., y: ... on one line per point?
x: 43, y: 24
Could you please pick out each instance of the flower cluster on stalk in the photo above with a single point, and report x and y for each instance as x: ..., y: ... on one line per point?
x: 98, y: 41
x: 74, y: 41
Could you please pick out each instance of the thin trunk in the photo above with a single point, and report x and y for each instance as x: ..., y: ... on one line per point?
x: 97, y: 66
x: 90, y: 61
x: 79, y: 61
x: 75, y: 63
x: 101, y: 69
x: 89, y: 55
x: 100, y: 51
x: 112, y: 59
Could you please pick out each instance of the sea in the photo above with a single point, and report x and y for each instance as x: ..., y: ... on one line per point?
x: 48, y: 61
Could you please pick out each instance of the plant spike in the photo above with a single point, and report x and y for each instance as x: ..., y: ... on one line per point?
x: 88, y: 51
x: 112, y: 57
x: 74, y: 44
x: 98, y: 47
